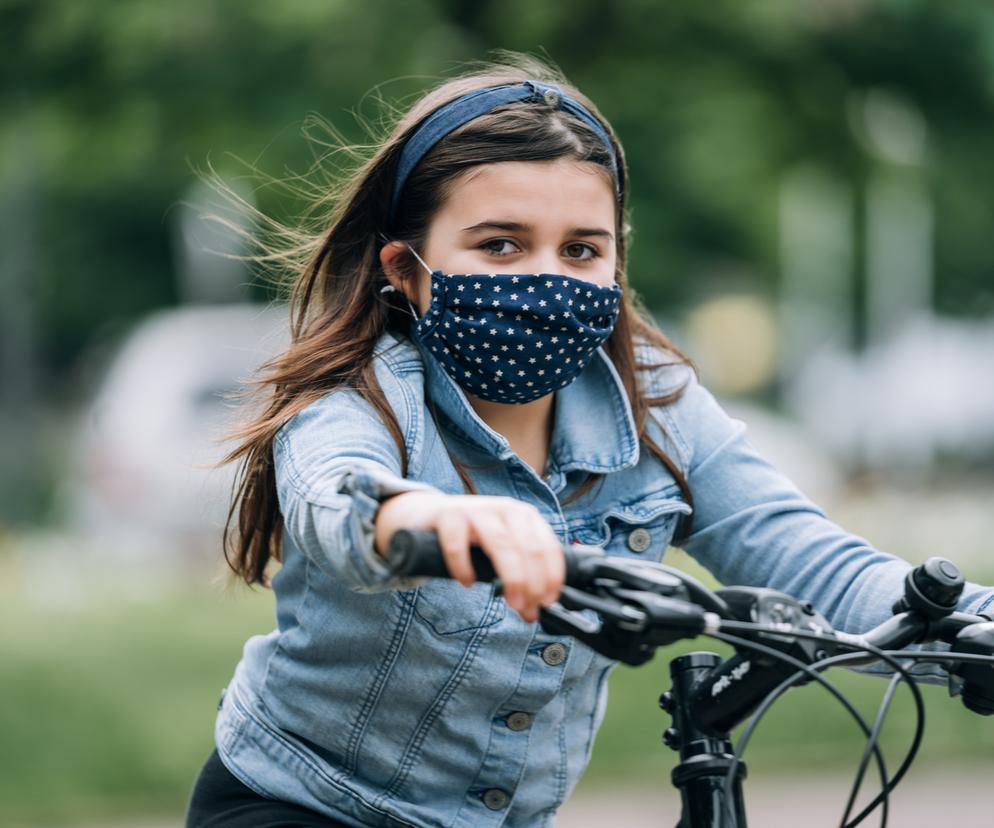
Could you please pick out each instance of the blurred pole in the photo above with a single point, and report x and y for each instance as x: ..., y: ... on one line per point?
x: 899, y: 215
x: 816, y: 255
x: 899, y: 247
x: 20, y: 272
x: 899, y: 268
x: 209, y: 236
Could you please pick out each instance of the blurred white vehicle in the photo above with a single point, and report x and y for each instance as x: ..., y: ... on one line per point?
x: 921, y: 396
x: 143, y: 483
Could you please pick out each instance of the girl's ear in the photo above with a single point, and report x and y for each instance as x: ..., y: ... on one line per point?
x: 392, y: 260
x: 392, y: 256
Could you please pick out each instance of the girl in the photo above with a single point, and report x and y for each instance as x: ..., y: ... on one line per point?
x: 467, y: 357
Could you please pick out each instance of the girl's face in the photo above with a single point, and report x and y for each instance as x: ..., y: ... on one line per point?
x: 525, y: 217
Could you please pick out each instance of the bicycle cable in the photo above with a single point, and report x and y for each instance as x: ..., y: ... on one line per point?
x: 889, y: 657
x: 811, y: 670
x: 868, y: 750
x: 769, y: 699
x: 907, y: 677
x: 918, y: 655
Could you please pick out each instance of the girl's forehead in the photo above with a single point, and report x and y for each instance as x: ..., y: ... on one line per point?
x: 580, y: 192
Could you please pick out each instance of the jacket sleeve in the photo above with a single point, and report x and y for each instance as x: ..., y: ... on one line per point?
x: 752, y: 526
x: 335, y: 463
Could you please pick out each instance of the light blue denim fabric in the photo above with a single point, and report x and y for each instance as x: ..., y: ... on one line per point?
x: 386, y: 703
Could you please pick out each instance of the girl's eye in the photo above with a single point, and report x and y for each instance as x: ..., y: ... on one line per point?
x: 576, y: 250
x: 496, y: 247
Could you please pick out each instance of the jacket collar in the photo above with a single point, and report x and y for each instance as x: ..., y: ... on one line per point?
x: 593, y: 431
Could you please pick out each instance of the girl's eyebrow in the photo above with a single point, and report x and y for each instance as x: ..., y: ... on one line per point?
x: 514, y: 226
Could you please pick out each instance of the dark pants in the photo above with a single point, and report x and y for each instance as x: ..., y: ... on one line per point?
x: 219, y: 800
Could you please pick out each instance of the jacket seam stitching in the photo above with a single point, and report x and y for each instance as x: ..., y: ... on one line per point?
x: 316, y: 768
x: 290, y: 465
x: 372, y: 698
x: 662, y: 411
x: 412, y: 428
x: 589, y: 746
x: 414, y: 431
x: 504, y: 701
x: 413, y: 749
x: 562, y: 772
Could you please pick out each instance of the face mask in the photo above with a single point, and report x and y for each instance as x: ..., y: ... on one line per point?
x: 514, y: 338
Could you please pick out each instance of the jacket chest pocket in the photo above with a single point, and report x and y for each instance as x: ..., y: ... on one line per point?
x: 449, y: 608
x: 642, y: 529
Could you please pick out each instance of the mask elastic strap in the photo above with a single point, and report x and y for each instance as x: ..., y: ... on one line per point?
x: 416, y: 256
x: 391, y: 289
x: 411, y: 310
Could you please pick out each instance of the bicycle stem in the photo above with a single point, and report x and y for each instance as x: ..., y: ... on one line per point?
x: 705, y: 757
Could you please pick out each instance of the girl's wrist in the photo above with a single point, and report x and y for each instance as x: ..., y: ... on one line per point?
x: 408, y: 510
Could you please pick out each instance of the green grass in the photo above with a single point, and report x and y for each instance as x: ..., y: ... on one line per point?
x: 108, y: 710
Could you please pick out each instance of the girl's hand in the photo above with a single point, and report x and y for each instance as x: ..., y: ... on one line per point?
x: 525, y: 552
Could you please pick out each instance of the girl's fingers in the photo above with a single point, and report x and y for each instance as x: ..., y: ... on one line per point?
x: 533, y: 550
x: 553, y: 559
x: 490, y: 532
x: 525, y: 552
x: 453, y: 533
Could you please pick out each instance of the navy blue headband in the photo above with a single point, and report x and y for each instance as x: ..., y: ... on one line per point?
x: 473, y: 104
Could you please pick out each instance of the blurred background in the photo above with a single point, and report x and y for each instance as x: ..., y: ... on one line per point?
x: 813, y: 210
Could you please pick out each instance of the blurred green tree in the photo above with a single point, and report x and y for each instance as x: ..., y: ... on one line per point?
x: 107, y: 109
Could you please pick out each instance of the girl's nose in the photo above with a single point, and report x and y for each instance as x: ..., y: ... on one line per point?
x: 546, y: 262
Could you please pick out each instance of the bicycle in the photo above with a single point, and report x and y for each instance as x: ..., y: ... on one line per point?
x: 779, y: 642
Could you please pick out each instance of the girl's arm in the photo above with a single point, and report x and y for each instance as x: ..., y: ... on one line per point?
x: 342, y: 496
x: 752, y: 526
x: 335, y: 464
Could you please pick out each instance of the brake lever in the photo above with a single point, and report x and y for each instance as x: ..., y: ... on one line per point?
x: 557, y: 620
x: 630, y: 623
x: 974, y: 682
x: 640, y: 575
x: 610, y: 609
x: 614, y: 631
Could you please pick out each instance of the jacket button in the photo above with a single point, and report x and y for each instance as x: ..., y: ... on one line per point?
x: 554, y: 654
x: 519, y: 720
x: 639, y: 540
x: 495, y: 799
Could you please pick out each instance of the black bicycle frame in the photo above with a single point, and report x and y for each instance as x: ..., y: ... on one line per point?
x: 705, y: 758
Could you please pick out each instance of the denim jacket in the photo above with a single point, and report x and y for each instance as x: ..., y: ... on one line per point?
x: 423, y: 703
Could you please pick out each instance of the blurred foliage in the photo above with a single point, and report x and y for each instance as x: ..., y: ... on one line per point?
x: 109, y: 707
x: 110, y: 106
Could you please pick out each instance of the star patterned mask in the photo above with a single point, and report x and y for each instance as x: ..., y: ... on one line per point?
x: 514, y: 338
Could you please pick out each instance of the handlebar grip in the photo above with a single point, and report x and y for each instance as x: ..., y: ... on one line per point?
x: 416, y: 553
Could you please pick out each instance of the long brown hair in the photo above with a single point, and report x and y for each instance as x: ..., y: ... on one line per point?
x: 338, y: 313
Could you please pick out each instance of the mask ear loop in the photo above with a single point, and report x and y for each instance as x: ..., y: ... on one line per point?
x: 388, y: 288
x: 410, y: 307
x: 416, y: 256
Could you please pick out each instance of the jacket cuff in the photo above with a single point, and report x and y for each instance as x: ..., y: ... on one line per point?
x: 368, y: 488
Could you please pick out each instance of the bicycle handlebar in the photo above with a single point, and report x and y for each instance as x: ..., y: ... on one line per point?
x: 780, y: 641
x: 644, y: 604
